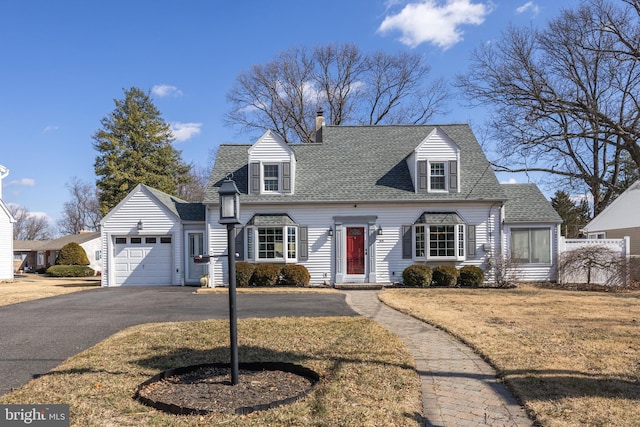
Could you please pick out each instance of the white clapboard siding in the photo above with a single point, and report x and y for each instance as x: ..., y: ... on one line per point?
x: 437, y: 146
x: 157, y: 220
x: 388, y: 246
x: 270, y: 148
x: 6, y: 243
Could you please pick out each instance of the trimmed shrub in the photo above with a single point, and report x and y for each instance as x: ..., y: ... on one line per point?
x: 445, y: 275
x: 70, y: 271
x: 244, y: 271
x: 470, y: 275
x: 72, y: 254
x: 417, y: 275
x: 266, y: 275
x: 295, y: 275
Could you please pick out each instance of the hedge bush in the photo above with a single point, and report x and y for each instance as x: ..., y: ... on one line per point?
x: 417, y: 275
x: 445, y: 275
x: 244, y: 271
x: 295, y: 275
x: 72, y: 254
x: 266, y: 275
x: 70, y: 271
x: 471, y: 275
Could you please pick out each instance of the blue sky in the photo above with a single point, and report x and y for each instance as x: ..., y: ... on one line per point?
x: 64, y: 62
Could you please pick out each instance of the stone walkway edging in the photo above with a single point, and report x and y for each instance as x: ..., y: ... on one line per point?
x: 458, y: 387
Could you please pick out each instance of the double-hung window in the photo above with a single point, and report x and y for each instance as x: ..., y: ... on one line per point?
x: 531, y: 245
x: 271, y: 177
x: 437, y: 176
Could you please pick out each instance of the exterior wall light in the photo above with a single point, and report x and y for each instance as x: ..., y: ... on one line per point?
x: 140, y: 225
x: 379, y: 231
x: 330, y: 231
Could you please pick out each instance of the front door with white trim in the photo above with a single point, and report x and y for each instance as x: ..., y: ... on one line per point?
x: 355, y: 253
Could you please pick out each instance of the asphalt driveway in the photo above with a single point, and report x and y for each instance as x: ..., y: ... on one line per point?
x: 36, y: 336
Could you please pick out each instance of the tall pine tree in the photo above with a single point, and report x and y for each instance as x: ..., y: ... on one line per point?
x: 134, y: 147
x: 574, y: 216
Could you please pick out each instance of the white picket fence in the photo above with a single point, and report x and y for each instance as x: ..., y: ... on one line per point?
x: 601, y: 276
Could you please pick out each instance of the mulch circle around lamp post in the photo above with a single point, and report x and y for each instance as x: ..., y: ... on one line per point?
x: 202, y: 389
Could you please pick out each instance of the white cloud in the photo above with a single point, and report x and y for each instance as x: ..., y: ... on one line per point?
x: 50, y: 128
x: 166, y: 90
x: 23, y: 182
x: 427, y: 21
x: 185, y: 131
x: 509, y: 181
x: 529, y: 6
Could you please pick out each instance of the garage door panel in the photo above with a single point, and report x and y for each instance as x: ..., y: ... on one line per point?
x: 146, y: 264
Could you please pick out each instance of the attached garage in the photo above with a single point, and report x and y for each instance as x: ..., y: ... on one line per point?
x: 143, y: 261
x: 144, y: 239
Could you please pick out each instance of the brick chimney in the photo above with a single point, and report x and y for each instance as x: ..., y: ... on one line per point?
x: 319, y: 125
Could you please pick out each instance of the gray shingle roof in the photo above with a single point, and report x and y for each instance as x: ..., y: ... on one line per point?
x: 362, y: 164
x: 186, y: 211
x: 526, y: 203
x: 55, y: 244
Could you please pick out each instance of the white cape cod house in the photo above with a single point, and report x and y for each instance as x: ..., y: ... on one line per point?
x: 359, y: 205
x: 364, y: 202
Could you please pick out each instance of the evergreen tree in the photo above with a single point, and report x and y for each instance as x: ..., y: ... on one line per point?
x: 134, y: 147
x: 574, y: 216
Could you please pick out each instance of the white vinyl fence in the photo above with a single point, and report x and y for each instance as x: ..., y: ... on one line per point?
x: 602, y: 261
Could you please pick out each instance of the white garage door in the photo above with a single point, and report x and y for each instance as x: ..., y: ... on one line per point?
x: 143, y: 261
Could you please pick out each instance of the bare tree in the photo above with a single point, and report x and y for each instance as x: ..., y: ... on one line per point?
x: 349, y: 86
x: 594, y: 264
x: 29, y: 226
x: 564, y: 102
x: 82, y: 211
x: 194, y: 189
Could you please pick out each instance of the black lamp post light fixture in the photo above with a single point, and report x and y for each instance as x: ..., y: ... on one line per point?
x: 230, y: 215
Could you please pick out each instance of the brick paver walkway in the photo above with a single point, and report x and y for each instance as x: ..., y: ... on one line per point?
x: 458, y: 387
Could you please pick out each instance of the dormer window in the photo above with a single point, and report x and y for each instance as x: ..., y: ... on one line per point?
x: 437, y: 177
x: 271, y: 177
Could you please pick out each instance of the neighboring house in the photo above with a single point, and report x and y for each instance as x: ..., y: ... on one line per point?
x: 619, y: 219
x: 359, y: 205
x: 34, y: 255
x: 151, y: 238
x: 6, y: 234
x: 28, y: 255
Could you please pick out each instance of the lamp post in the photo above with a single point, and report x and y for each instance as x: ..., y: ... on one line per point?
x: 230, y: 215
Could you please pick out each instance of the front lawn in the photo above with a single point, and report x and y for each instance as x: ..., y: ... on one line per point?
x: 573, y: 358
x: 367, y: 374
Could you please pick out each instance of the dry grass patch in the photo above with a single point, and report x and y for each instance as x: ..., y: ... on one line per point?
x: 573, y: 358
x: 367, y: 375
x: 31, y: 287
x: 265, y: 290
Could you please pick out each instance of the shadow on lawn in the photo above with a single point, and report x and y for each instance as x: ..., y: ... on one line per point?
x: 168, y: 358
x: 550, y: 384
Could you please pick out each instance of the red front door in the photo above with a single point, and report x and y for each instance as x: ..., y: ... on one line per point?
x: 355, y: 250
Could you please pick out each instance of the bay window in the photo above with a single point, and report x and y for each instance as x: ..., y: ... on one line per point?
x: 272, y: 243
x: 443, y: 241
